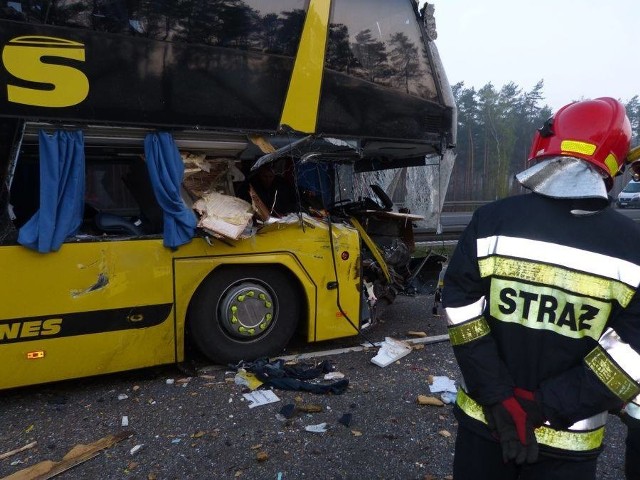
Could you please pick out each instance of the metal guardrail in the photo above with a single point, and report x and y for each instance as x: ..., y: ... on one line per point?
x: 457, y: 221
x: 463, y: 205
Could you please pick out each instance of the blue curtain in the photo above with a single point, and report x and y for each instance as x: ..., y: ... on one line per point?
x: 61, y: 192
x: 166, y: 170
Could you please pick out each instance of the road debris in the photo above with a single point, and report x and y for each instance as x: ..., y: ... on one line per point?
x: 427, y: 400
x: 262, y: 456
x: 77, y: 455
x: 413, y: 333
x: 445, y: 386
x: 135, y: 449
x: 346, y: 419
x: 309, y: 407
x: 278, y: 374
x: 439, y: 384
x: 247, y: 379
x: 287, y: 411
x: 260, y: 397
x: 390, y: 351
x: 17, y: 450
x: 319, y: 428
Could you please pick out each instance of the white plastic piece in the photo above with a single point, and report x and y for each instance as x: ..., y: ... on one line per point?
x: 390, y: 351
x: 260, y: 397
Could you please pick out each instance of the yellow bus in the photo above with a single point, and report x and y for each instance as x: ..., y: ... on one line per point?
x: 127, y: 131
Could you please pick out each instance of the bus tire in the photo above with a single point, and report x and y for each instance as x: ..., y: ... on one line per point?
x: 244, y: 313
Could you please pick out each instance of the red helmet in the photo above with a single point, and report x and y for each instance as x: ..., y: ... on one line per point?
x: 597, y: 131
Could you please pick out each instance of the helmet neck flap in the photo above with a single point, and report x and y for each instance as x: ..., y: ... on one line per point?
x: 565, y: 177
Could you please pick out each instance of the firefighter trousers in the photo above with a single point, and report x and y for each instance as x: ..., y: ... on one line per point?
x: 478, y: 458
x: 632, y: 455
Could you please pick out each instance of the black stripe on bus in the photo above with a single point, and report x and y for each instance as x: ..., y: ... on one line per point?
x: 82, y: 323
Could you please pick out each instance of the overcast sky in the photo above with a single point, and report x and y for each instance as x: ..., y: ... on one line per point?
x: 580, y: 48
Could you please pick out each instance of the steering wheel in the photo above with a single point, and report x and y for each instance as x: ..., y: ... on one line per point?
x: 387, y: 203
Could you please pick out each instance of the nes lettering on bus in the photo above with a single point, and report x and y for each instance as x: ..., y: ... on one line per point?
x: 29, y: 329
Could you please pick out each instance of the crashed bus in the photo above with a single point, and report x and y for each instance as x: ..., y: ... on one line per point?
x: 127, y: 131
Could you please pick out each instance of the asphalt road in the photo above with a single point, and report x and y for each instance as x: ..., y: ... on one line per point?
x: 200, y: 426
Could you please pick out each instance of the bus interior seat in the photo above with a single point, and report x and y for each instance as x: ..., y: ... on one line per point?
x: 111, y: 223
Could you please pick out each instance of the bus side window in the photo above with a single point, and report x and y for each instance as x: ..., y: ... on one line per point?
x: 139, y: 185
x: 25, y: 190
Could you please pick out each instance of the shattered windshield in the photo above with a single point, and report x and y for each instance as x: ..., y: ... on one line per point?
x: 419, y: 190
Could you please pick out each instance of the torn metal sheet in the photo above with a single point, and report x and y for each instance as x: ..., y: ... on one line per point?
x: 275, y: 155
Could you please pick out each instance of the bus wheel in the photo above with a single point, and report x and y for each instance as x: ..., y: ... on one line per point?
x: 244, y: 313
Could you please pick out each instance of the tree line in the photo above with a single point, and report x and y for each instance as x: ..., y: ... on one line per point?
x: 495, y: 131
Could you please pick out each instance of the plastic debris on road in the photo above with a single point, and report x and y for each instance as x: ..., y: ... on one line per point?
x: 442, y: 384
x: 448, y: 397
x: 135, y: 449
x: 390, y: 351
x: 319, y: 428
x: 445, y: 386
x: 260, y: 397
x: 247, y: 379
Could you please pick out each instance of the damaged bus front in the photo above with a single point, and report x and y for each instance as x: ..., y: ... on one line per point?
x: 222, y: 174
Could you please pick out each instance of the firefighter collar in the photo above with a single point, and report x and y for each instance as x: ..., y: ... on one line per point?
x: 564, y: 177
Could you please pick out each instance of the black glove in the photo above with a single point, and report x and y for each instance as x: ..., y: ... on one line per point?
x: 515, y: 433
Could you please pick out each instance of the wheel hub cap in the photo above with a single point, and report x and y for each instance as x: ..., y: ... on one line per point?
x: 247, y: 310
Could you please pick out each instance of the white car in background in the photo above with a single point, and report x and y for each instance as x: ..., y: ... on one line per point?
x: 629, y: 196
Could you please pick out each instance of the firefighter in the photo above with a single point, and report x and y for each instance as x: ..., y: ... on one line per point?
x: 630, y: 415
x: 541, y: 301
